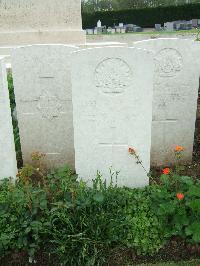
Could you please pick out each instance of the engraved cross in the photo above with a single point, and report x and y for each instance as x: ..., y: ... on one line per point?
x: 47, y: 104
x: 114, y: 142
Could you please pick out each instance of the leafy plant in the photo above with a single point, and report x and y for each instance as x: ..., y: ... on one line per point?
x: 145, y: 234
x: 14, y: 119
x: 55, y: 213
x: 177, y: 203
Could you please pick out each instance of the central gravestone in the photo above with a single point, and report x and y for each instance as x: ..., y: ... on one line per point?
x: 36, y: 21
x: 112, y: 103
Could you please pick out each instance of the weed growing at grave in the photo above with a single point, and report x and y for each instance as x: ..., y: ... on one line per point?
x: 14, y: 119
x: 176, y: 202
x: 53, y: 212
x: 145, y: 230
x: 136, y: 157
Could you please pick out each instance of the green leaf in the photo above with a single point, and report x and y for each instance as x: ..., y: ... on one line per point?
x: 98, y: 197
x: 187, y: 180
x: 194, y: 205
x: 165, y: 180
x: 28, y: 229
x: 181, y: 219
x: 166, y: 208
x: 194, y: 191
x: 43, y: 204
x: 194, y: 230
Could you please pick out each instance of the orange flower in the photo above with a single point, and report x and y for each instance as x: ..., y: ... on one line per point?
x: 131, y: 150
x: 179, y: 148
x: 166, y: 171
x: 180, y: 196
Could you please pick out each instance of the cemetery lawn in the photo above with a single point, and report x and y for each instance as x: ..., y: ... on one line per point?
x: 181, y: 32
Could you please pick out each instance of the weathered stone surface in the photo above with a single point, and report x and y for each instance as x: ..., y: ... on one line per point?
x: 176, y: 83
x: 8, y: 164
x: 35, y: 21
x: 42, y: 84
x: 112, y: 111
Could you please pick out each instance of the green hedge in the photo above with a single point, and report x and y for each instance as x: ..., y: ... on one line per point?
x: 146, y: 17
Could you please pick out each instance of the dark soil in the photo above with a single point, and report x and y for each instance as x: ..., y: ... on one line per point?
x: 176, y: 250
x: 21, y: 259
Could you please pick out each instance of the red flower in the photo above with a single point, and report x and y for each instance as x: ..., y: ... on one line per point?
x: 131, y: 150
x: 180, y: 196
x: 179, y: 148
x: 166, y: 171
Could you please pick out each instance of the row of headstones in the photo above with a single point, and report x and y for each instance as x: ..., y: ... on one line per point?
x: 121, y: 28
x: 179, y: 25
x: 122, y: 97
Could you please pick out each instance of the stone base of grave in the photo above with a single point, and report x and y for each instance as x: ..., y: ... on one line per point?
x: 42, y: 37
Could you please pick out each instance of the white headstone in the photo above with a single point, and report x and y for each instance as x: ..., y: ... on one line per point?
x: 118, y: 30
x: 176, y: 84
x: 194, y: 22
x: 42, y: 84
x: 90, y: 31
x: 169, y: 26
x: 8, y: 164
x: 99, y: 24
x: 35, y: 21
x: 158, y: 27
x: 112, y: 111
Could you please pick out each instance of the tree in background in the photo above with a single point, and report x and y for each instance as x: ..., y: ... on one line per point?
x: 106, y: 5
